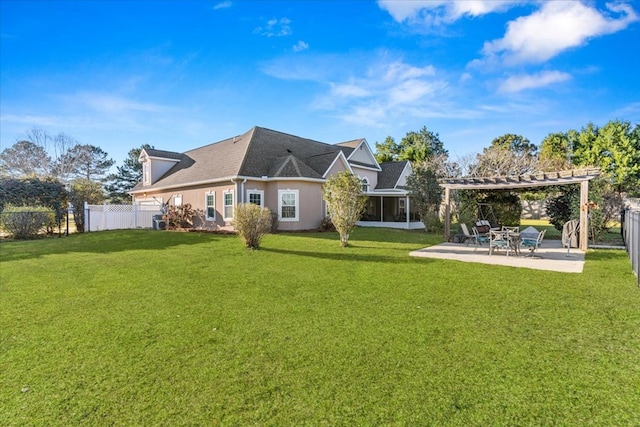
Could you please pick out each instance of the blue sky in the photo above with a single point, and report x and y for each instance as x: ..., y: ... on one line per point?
x: 179, y: 75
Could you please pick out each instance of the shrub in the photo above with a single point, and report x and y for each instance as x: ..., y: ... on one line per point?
x: 27, y: 222
x: 252, y: 222
x: 326, y: 224
x: 182, y: 216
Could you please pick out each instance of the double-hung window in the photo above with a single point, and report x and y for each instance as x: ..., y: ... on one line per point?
x: 228, y: 205
x: 256, y: 197
x: 288, y: 205
x: 210, y: 205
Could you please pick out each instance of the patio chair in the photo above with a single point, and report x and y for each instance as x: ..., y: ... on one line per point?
x: 533, y: 244
x: 498, y: 240
x: 511, y: 229
x: 467, y: 237
x: 479, y: 238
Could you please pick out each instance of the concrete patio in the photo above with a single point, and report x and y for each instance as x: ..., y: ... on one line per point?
x: 550, y: 256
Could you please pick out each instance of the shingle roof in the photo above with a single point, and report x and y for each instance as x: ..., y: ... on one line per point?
x: 259, y: 152
x: 152, y: 152
x: 268, y: 145
x: 351, y: 144
x: 391, y: 172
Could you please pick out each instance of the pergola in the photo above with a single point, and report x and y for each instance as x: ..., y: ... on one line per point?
x: 543, y: 179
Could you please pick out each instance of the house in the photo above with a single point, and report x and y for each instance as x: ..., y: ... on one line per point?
x: 276, y: 170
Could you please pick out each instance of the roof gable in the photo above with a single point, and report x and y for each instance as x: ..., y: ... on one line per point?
x: 393, y: 175
x: 361, y: 154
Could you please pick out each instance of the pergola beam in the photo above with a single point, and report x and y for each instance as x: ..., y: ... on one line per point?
x: 546, y: 179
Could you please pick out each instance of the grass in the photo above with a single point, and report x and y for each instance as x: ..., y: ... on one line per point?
x: 160, y: 328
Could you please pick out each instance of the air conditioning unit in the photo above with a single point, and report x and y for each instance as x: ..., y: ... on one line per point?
x: 159, y: 223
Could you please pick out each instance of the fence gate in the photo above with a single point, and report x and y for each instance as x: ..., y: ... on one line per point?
x: 117, y: 217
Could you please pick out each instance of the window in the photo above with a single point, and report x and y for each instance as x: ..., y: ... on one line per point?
x: 145, y: 172
x: 365, y: 184
x: 228, y: 205
x: 210, y: 206
x: 256, y: 197
x: 288, y: 205
x: 177, y: 200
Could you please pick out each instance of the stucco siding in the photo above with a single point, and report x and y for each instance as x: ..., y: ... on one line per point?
x: 371, y: 175
x: 338, y: 166
x: 309, y: 204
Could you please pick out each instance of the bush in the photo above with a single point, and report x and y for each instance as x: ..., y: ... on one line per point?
x: 252, y: 222
x: 27, y: 222
x: 560, y: 208
x: 182, y: 216
x: 507, y: 207
x: 326, y: 224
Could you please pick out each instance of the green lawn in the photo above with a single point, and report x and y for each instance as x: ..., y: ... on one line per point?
x: 163, y: 328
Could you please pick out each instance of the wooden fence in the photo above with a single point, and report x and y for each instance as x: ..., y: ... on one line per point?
x: 117, y: 217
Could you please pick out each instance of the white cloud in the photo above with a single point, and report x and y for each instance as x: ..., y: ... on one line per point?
x: 300, y: 46
x: 533, y: 81
x: 348, y: 90
x: 434, y: 12
x: 222, y: 5
x: 113, y: 104
x: 556, y: 27
x: 275, y: 28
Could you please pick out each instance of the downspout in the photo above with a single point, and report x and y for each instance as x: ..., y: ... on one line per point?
x: 244, y: 181
x: 235, y: 197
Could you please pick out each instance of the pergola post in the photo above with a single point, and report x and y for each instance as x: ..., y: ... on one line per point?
x: 447, y: 213
x: 584, y: 215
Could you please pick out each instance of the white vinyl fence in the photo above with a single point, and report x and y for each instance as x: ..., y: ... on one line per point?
x: 116, y: 217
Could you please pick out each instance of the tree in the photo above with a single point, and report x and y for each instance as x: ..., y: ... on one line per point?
x: 426, y: 194
x: 387, y: 151
x: 84, y: 190
x: 556, y: 151
x: 515, y: 143
x: 88, y: 162
x: 345, y: 202
x: 252, y: 223
x: 415, y: 147
x: 24, y: 159
x: 32, y: 192
x: 63, y: 166
x: 127, y: 176
x: 615, y: 148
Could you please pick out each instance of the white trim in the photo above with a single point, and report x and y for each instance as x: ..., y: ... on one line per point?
x: 366, y: 185
x: 296, y: 205
x: 366, y: 144
x: 224, y: 179
x: 206, y: 206
x: 225, y: 206
x: 258, y: 192
x: 346, y: 162
x: 146, y: 171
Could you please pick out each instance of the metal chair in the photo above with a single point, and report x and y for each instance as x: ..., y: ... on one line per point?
x: 498, y: 240
x: 533, y: 244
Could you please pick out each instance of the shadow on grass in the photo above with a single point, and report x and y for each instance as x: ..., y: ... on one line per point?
x: 349, y: 257
x: 101, y: 242
x: 373, y: 234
